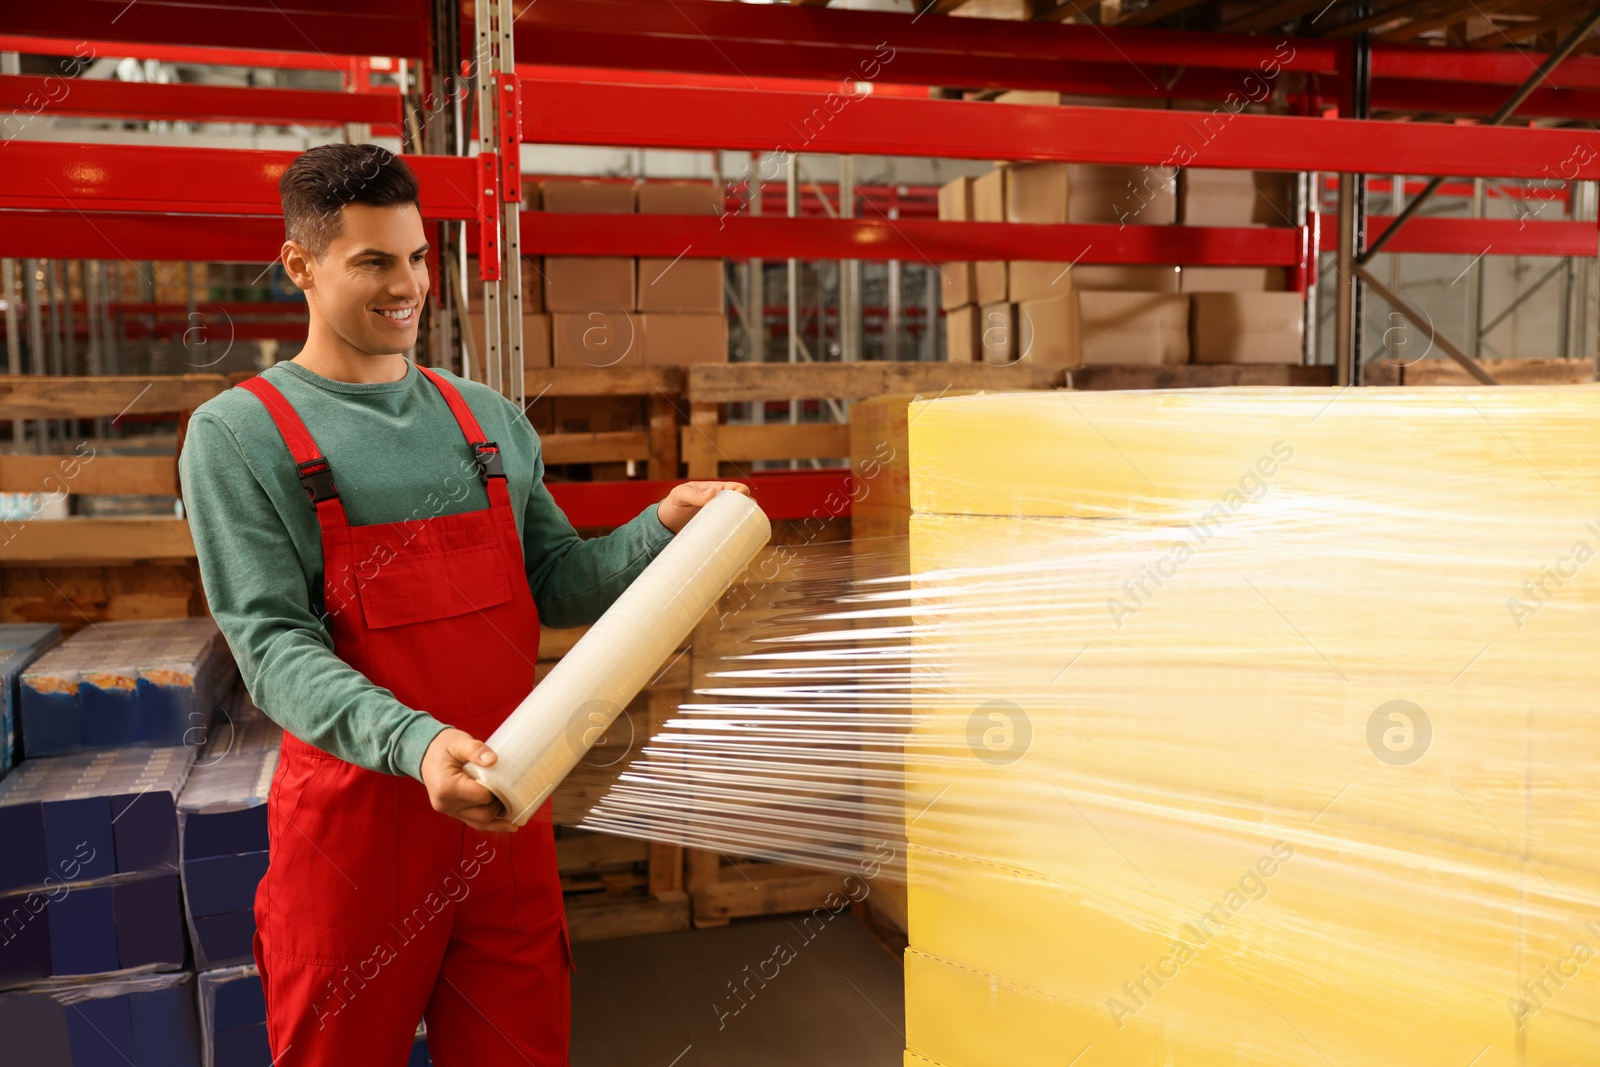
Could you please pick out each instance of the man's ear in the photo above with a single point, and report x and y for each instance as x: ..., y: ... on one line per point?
x: 298, y: 264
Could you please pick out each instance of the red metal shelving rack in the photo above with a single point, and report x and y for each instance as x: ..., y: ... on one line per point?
x: 104, y: 201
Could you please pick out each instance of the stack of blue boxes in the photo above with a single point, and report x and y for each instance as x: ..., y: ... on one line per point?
x: 89, y: 871
x: 133, y: 835
x: 222, y: 814
x: 93, y: 947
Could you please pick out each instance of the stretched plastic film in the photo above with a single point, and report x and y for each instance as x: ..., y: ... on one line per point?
x: 570, y: 709
x: 1254, y: 727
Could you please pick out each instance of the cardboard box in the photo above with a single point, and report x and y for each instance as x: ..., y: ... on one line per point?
x: 1235, y: 197
x: 1029, y: 279
x: 683, y: 285
x: 678, y: 198
x: 1048, y: 98
x: 958, y: 285
x: 679, y: 286
x: 575, y: 196
x: 997, y: 334
x: 989, y: 196
x: 955, y: 200
x: 989, y: 281
x: 596, y: 339
x: 671, y: 339
x: 1082, y: 192
x: 1231, y: 280
x: 532, y: 195
x: 1145, y: 328
x: 1047, y: 330
x: 961, y: 334
x: 1247, y: 327
x: 989, y: 205
x: 585, y: 283
x: 535, y: 339
x: 598, y: 414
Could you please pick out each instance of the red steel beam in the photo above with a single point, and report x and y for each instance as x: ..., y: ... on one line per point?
x: 350, y: 27
x: 123, y: 236
x: 917, y: 240
x: 815, y: 494
x: 26, y: 96
x: 1472, y: 237
x: 801, y: 42
x: 587, y: 113
x: 66, y: 177
x: 215, y: 57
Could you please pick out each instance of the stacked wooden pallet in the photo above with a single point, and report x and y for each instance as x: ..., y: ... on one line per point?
x: 617, y: 886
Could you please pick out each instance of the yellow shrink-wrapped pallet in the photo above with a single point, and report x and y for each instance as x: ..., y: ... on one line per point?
x: 1277, y: 720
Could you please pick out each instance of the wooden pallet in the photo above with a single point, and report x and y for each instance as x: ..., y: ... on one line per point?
x: 713, y: 447
x: 722, y: 888
x: 617, y: 886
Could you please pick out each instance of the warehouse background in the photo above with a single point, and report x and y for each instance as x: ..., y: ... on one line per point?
x: 689, y: 184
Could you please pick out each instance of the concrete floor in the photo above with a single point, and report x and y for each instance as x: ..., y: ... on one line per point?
x: 664, y: 1001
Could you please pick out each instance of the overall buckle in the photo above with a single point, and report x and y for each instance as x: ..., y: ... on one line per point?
x: 486, y: 454
x: 316, y: 476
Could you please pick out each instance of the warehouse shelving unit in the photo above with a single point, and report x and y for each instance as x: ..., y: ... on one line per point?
x: 573, y: 60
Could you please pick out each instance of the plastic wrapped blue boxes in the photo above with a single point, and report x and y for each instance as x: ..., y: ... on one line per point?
x: 154, y: 681
x: 222, y: 815
x: 143, y: 1019
x: 89, y: 864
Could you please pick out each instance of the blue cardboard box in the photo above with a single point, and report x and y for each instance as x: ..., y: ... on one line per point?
x: 144, y: 1019
x: 20, y: 645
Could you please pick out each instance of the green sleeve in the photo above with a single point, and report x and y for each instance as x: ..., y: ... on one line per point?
x: 260, y: 597
x: 573, y: 579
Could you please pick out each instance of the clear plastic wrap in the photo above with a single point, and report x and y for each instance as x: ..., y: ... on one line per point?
x: 1222, y: 728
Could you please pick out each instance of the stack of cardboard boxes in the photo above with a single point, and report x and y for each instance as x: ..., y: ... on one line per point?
x: 1071, y: 315
x: 617, y: 311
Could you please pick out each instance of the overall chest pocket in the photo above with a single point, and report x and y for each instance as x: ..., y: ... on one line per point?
x: 434, y: 585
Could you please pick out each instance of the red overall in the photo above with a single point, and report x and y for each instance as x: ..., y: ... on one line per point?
x: 377, y: 910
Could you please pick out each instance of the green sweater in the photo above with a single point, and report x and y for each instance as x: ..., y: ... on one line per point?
x: 397, y: 454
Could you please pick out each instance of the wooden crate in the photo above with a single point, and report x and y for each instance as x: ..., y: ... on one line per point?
x: 712, y: 447
x: 656, y: 446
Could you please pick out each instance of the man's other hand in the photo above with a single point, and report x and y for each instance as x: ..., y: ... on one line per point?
x: 689, y: 497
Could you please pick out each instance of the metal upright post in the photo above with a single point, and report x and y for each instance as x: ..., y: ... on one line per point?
x: 36, y: 364
x: 891, y: 319
x: 8, y: 281
x: 792, y: 189
x: 1474, y: 323
x: 1344, y: 318
x: 755, y: 297
x: 487, y: 33
x: 849, y: 272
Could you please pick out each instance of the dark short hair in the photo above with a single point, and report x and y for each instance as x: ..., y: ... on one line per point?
x: 321, y: 181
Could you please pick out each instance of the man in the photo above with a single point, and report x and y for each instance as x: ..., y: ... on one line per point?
x: 378, y: 547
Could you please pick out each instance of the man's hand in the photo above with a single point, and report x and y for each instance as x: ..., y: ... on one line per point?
x: 452, y: 791
x: 689, y: 497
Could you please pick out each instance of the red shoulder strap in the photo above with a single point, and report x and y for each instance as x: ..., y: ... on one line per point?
x: 491, y: 471
x: 316, y: 476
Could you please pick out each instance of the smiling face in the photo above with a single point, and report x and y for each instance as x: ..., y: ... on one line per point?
x: 370, y: 286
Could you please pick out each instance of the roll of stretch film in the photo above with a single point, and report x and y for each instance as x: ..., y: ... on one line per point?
x: 550, y: 731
